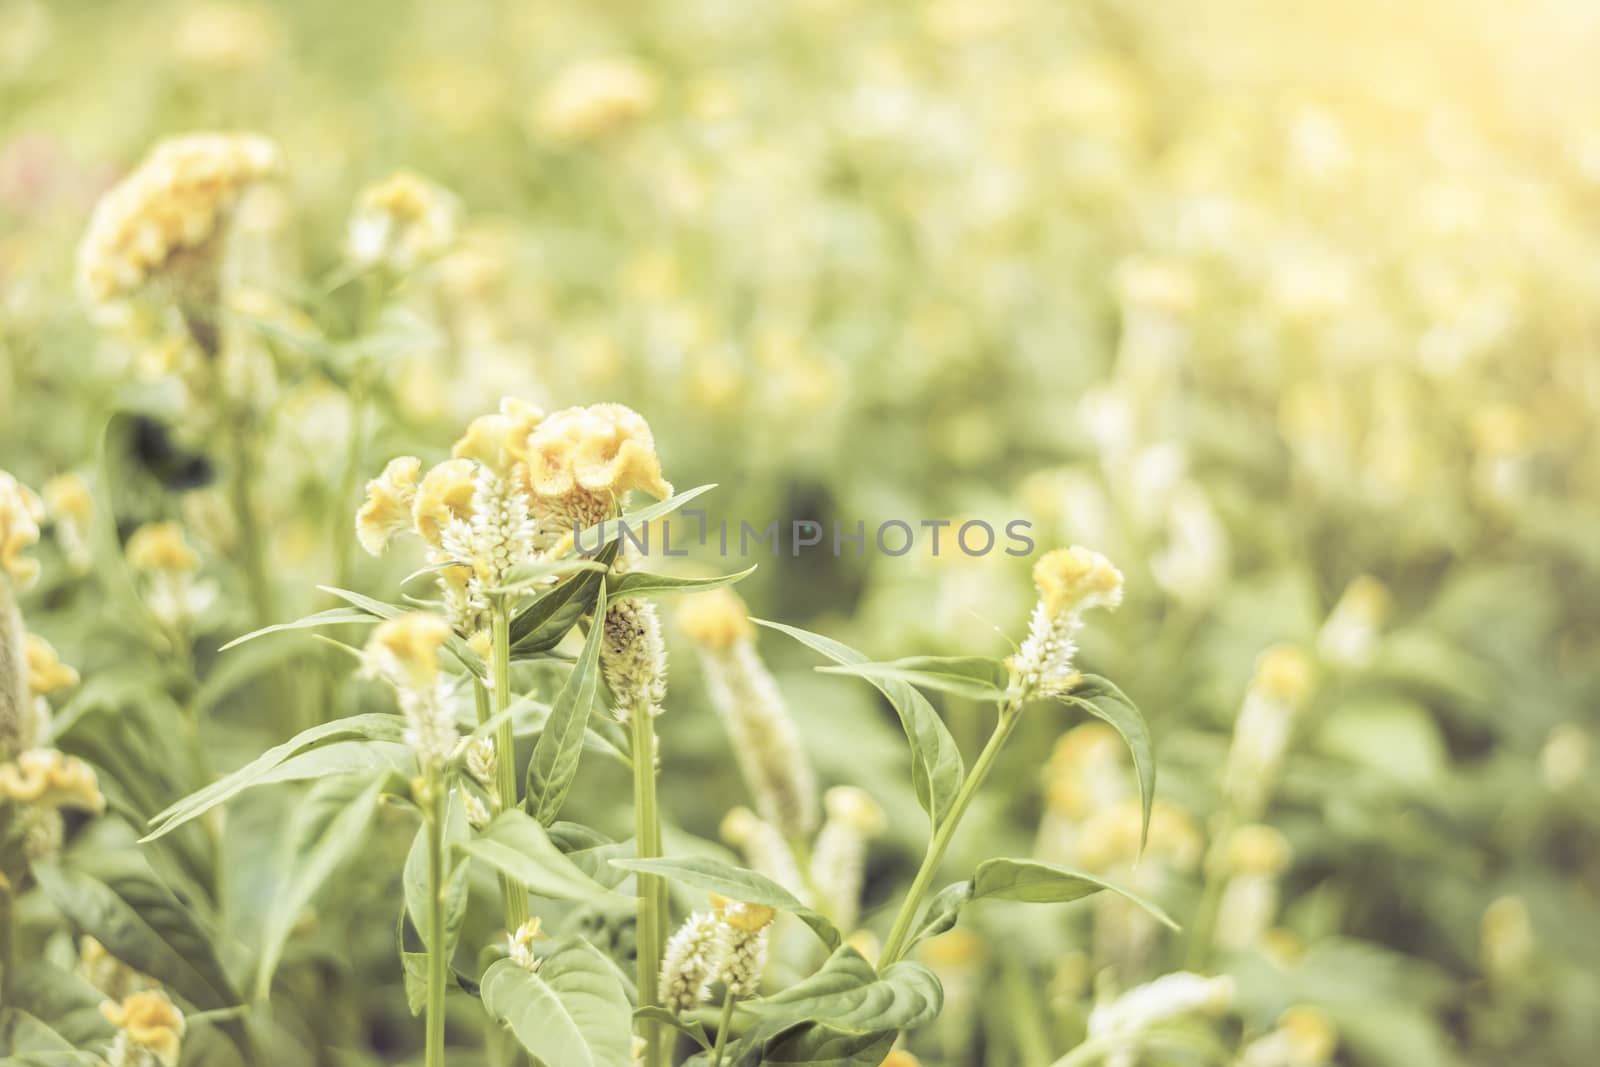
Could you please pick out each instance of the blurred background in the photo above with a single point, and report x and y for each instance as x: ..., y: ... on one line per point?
x: 1291, y: 310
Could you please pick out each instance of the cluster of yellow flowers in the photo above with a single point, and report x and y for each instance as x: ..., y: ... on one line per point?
x: 171, y: 208
x: 402, y: 222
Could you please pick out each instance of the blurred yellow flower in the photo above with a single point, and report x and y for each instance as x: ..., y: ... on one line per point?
x: 148, y: 1022
x: 596, y: 97
x: 46, y: 778
x: 46, y: 672
x: 161, y: 547
x: 20, y: 514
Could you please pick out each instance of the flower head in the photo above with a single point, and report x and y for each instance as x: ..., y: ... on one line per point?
x: 716, y: 619
x: 500, y: 439
x: 595, y: 97
x: 146, y: 1022
x: 1076, y: 578
x: 402, y: 222
x: 67, y: 498
x: 603, y: 448
x: 405, y: 650
x: 176, y: 202
x: 444, y: 496
x: 1257, y: 849
x: 520, y: 944
x: 20, y: 514
x: 46, y: 778
x: 387, y: 510
x: 46, y: 672
x: 1070, y: 581
x: 159, y: 547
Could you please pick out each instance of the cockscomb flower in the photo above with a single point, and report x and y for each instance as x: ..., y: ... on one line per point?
x: 1070, y: 581
x: 603, y: 450
x: 404, y: 651
x: 47, y: 779
x: 402, y: 222
x: 500, y: 439
x: 596, y: 97
x: 1282, y: 684
x: 161, y: 556
x: 1304, y: 1037
x: 166, y: 220
x: 387, y: 509
x: 69, y: 505
x: 742, y: 929
x: 519, y: 944
x: 21, y: 511
x: 444, y: 497
x: 149, y: 1030
x: 46, y: 672
x: 1255, y: 855
x: 753, y: 711
x: 839, y: 858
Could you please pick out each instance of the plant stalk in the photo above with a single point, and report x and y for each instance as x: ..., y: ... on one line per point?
x: 722, y: 1030
x: 505, y: 749
x: 251, y: 548
x: 652, y: 891
x: 895, y: 947
x: 438, y: 958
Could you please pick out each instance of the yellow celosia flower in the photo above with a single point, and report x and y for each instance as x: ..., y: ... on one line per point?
x: 854, y: 808
x: 1110, y: 837
x: 47, y: 778
x: 900, y: 1058
x: 176, y: 201
x: 444, y: 495
x: 46, y: 672
x: 1284, y: 673
x: 161, y: 547
x: 500, y: 439
x: 66, y: 496
x: 716, y: 619
x: 742, y: 915
x: 387, y: 510
x: 596, y: 97
x: 1070, y: 578
x: 406, y: 649
x: 403, y: 221
x: 20, y: 514
x: 148, y: 1021
x: 1257, y: 849
x: 603, y: 448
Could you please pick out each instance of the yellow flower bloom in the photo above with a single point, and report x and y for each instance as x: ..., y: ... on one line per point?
x: 1258, y: 849
x: 742, y: 915
x: 595, y: 97
x: 387, y: 510
x: 603, y: 448
x: 1070, y: 578
x: 1285, y: 674
x: 67, y: 498
x: 406, y: 649
x: 716, y: 619
x: 445, y: 495
x: 20, y: 514
x: 46, y: 672
x: 403, y: 221
x: 176, y: 201
x: 500, y: 439
x: 160, y: 546
x: 148, y: 1021
x: 47, y: 778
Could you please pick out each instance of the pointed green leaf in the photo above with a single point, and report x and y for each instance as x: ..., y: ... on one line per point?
x: 936, y: 767
x: 414, y: 877
x: 543, y: 624
x: 368, y: 727
x: 846, y: 993
x: 643, y: 583
x: 735, y: 882
x: 384, y: 610
x: 690, y: 1028
x: 974, y: 677
x: 516, y: 844
x: 330, y: 617
x: 943, y: 911
x: 1033, y: 882
x: 572, y: 1011
x: 1105, y: 701
x: 554, y: 765
x: 326, y: 830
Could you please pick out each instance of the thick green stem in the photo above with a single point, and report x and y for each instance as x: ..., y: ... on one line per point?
x: 722, y: 1029
x: 505, y: 749
x: 438, y: 958
x: 652, y: 890
x: 944, y: 832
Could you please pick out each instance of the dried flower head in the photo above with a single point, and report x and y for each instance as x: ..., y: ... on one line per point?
x: 147, y: 1023
x: 402, y: 222
x: 596, y: 97
x: 166, y: 218
x: 46, y: 672
x: 21, y: 511
x: 387, y: 510
x: 161, y: 547
x: 46, y: 778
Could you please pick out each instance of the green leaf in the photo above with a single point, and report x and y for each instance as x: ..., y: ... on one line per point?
x: 526, y: 575
x: 737, y: 883
x: 64, y: 1000
x: 142, y: 924
x: 643, y: 583
x: 384, y: 610
x: 1033, y: 882
x: 604, y: 533
x: 543, y: 624
x: 554, y: 764
x: 515, y: 843
x: 571, y: 1012
x: 1104, y: 700
x: 690, y: 1028
x: 936, y: 767
x: 414, y: 877
x: 330, y: 617
x: 368, y: 727
x: 327, y: 828
x: 592, y: 851
x: 817, y: 1045
x: 943, y: 910
x: 847, y: 994
x: 974, y: 677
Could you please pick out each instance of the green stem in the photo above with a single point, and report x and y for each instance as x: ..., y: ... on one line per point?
x: 647, y: 836
x: 1202, y: 929
x: 438, y: 958
x: 251, y: 548
x: 505, y: 749
x: 942, y: 835
x: 1086, y: 1053
x: 722, y: 1029
x: 345, y: 504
